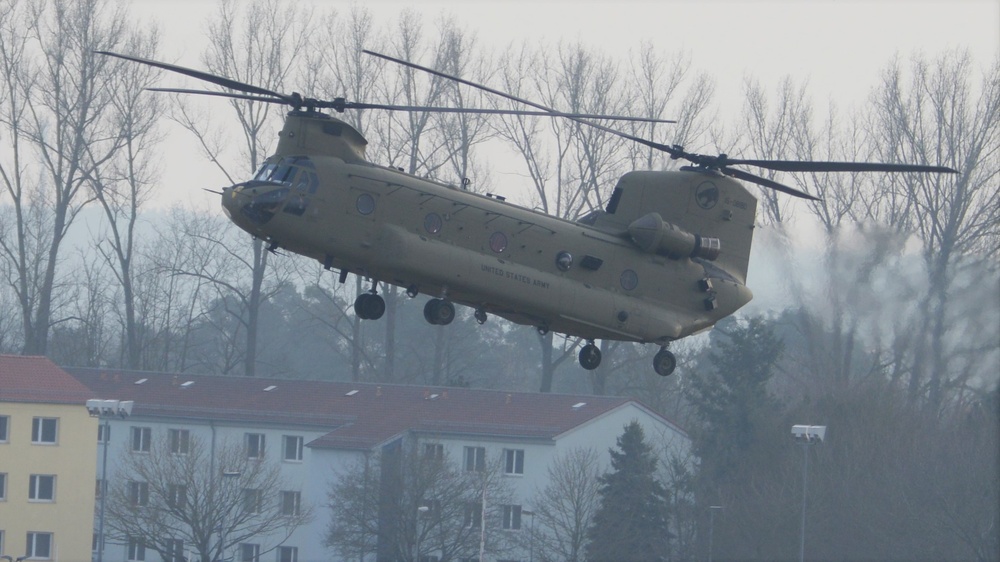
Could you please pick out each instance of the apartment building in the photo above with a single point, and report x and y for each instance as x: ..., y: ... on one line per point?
x: 314, y: 431
x: 47, y: 462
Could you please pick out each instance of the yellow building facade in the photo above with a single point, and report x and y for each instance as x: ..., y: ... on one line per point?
x: 48, y: 459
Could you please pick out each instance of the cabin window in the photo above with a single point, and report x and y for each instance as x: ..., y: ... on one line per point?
x: 366, y: 204
x: 433, y: 223
x: 629, y: 280
x: 564, y: 261
x: 498, y: 242
x: 297, y: 204
x: 616, y: 197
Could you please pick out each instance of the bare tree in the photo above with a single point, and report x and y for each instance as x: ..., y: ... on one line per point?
x: 261, y: 43
x: 565, y: 507
x: 937, y: 118
x: 404, y: 503
x: 59, y: 117
x: 125, y: 186
x: 210, y: 496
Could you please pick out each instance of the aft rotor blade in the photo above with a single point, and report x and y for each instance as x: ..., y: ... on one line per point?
x: 485, y: 111
x: 809, y: 166
x: 746, y: 176
x: 218, y: 80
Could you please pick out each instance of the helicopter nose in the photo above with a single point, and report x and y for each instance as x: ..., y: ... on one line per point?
x: 253, y: 203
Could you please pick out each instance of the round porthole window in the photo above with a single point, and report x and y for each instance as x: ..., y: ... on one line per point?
x: 629, y: 280
x: 366, y: 204
x: 564, y: 261
x: 498, y: 242
x: 433, y: 223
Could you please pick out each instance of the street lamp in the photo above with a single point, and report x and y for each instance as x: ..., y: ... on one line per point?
x: 806, y: 435
x: 105, y: 410
x: 711, y: 527
x: 421, y: 513
x: 531, y: 534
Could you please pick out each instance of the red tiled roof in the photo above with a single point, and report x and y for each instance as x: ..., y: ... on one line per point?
x: 355, y: 420
x: 26, y: 378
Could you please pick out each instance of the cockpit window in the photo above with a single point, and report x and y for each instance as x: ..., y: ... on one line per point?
x: 290, y: 170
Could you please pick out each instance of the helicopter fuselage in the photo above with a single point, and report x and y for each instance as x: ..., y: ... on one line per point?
x: 598, y: 278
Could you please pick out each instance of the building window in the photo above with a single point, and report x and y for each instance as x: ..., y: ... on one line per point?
x: 103, y: 433
x: 42, y: 488
x: 4, y: 429
x: 288, y: 554
x: 291, y: 502
x: 180, y: 441
x: 1, y: 541
x: 138, y: 493
x: 141, y: 438
x: 176, y: 496
x: 136, y: 550
x: 249, y: 552
x: 513, y: 461
x: 253, y: 500
x: 255, y: 445
x: 512, y: 517
x: 474, y: 515
x: 100, y: 486
x: 475, y: 459
x: 293, y: 448
x: 38, y: 546
x: 3, y: 488
x: 174, y: 551
x: 434, y: 451
x: 44, y: 430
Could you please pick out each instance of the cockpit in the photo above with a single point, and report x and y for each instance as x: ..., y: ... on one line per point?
x: 284, y: 185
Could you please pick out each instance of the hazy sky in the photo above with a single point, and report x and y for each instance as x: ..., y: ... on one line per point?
x: 838, y: 46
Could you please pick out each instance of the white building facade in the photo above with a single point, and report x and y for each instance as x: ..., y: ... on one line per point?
x: 314, y: 431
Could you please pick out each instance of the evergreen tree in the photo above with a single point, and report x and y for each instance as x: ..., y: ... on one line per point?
x: 733, y: 401
x: 631, y: 522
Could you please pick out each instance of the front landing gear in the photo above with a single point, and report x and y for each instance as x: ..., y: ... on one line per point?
x: 369, y: 306
x: 590, y: 356
x: 664, y: 362
x: 439, y: 312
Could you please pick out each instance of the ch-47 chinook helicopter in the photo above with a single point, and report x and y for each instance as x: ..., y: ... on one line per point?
x: 666, y: 259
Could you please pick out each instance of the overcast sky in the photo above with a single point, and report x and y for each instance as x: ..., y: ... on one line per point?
x: 838, y: 46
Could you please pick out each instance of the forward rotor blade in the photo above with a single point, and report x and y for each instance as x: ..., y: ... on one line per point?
x: 746, y: 176
x: 219, y: 94
x: 808, y: 166
x: 669, y: 150
x: 218, y: 80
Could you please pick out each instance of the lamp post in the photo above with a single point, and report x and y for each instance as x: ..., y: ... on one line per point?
x: 806, y: 435
x: 421, y: 513
x: 226, y: 475
x: 531, y: 534
x: 711, y: 527
x: 105, y: 410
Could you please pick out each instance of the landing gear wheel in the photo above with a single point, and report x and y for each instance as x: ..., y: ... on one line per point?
x: 590, y: 356
x: 369, y: 306
x: 664, y: 363
x: 480, y: 316
x: 439, y: 312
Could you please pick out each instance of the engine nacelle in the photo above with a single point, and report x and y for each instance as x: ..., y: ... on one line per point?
x: 654, y: 235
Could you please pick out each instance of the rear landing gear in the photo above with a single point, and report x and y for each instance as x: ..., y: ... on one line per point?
x: 439, y: 312
x: 664, y: 362
x: 369, y: 306
x: 590, y: 356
